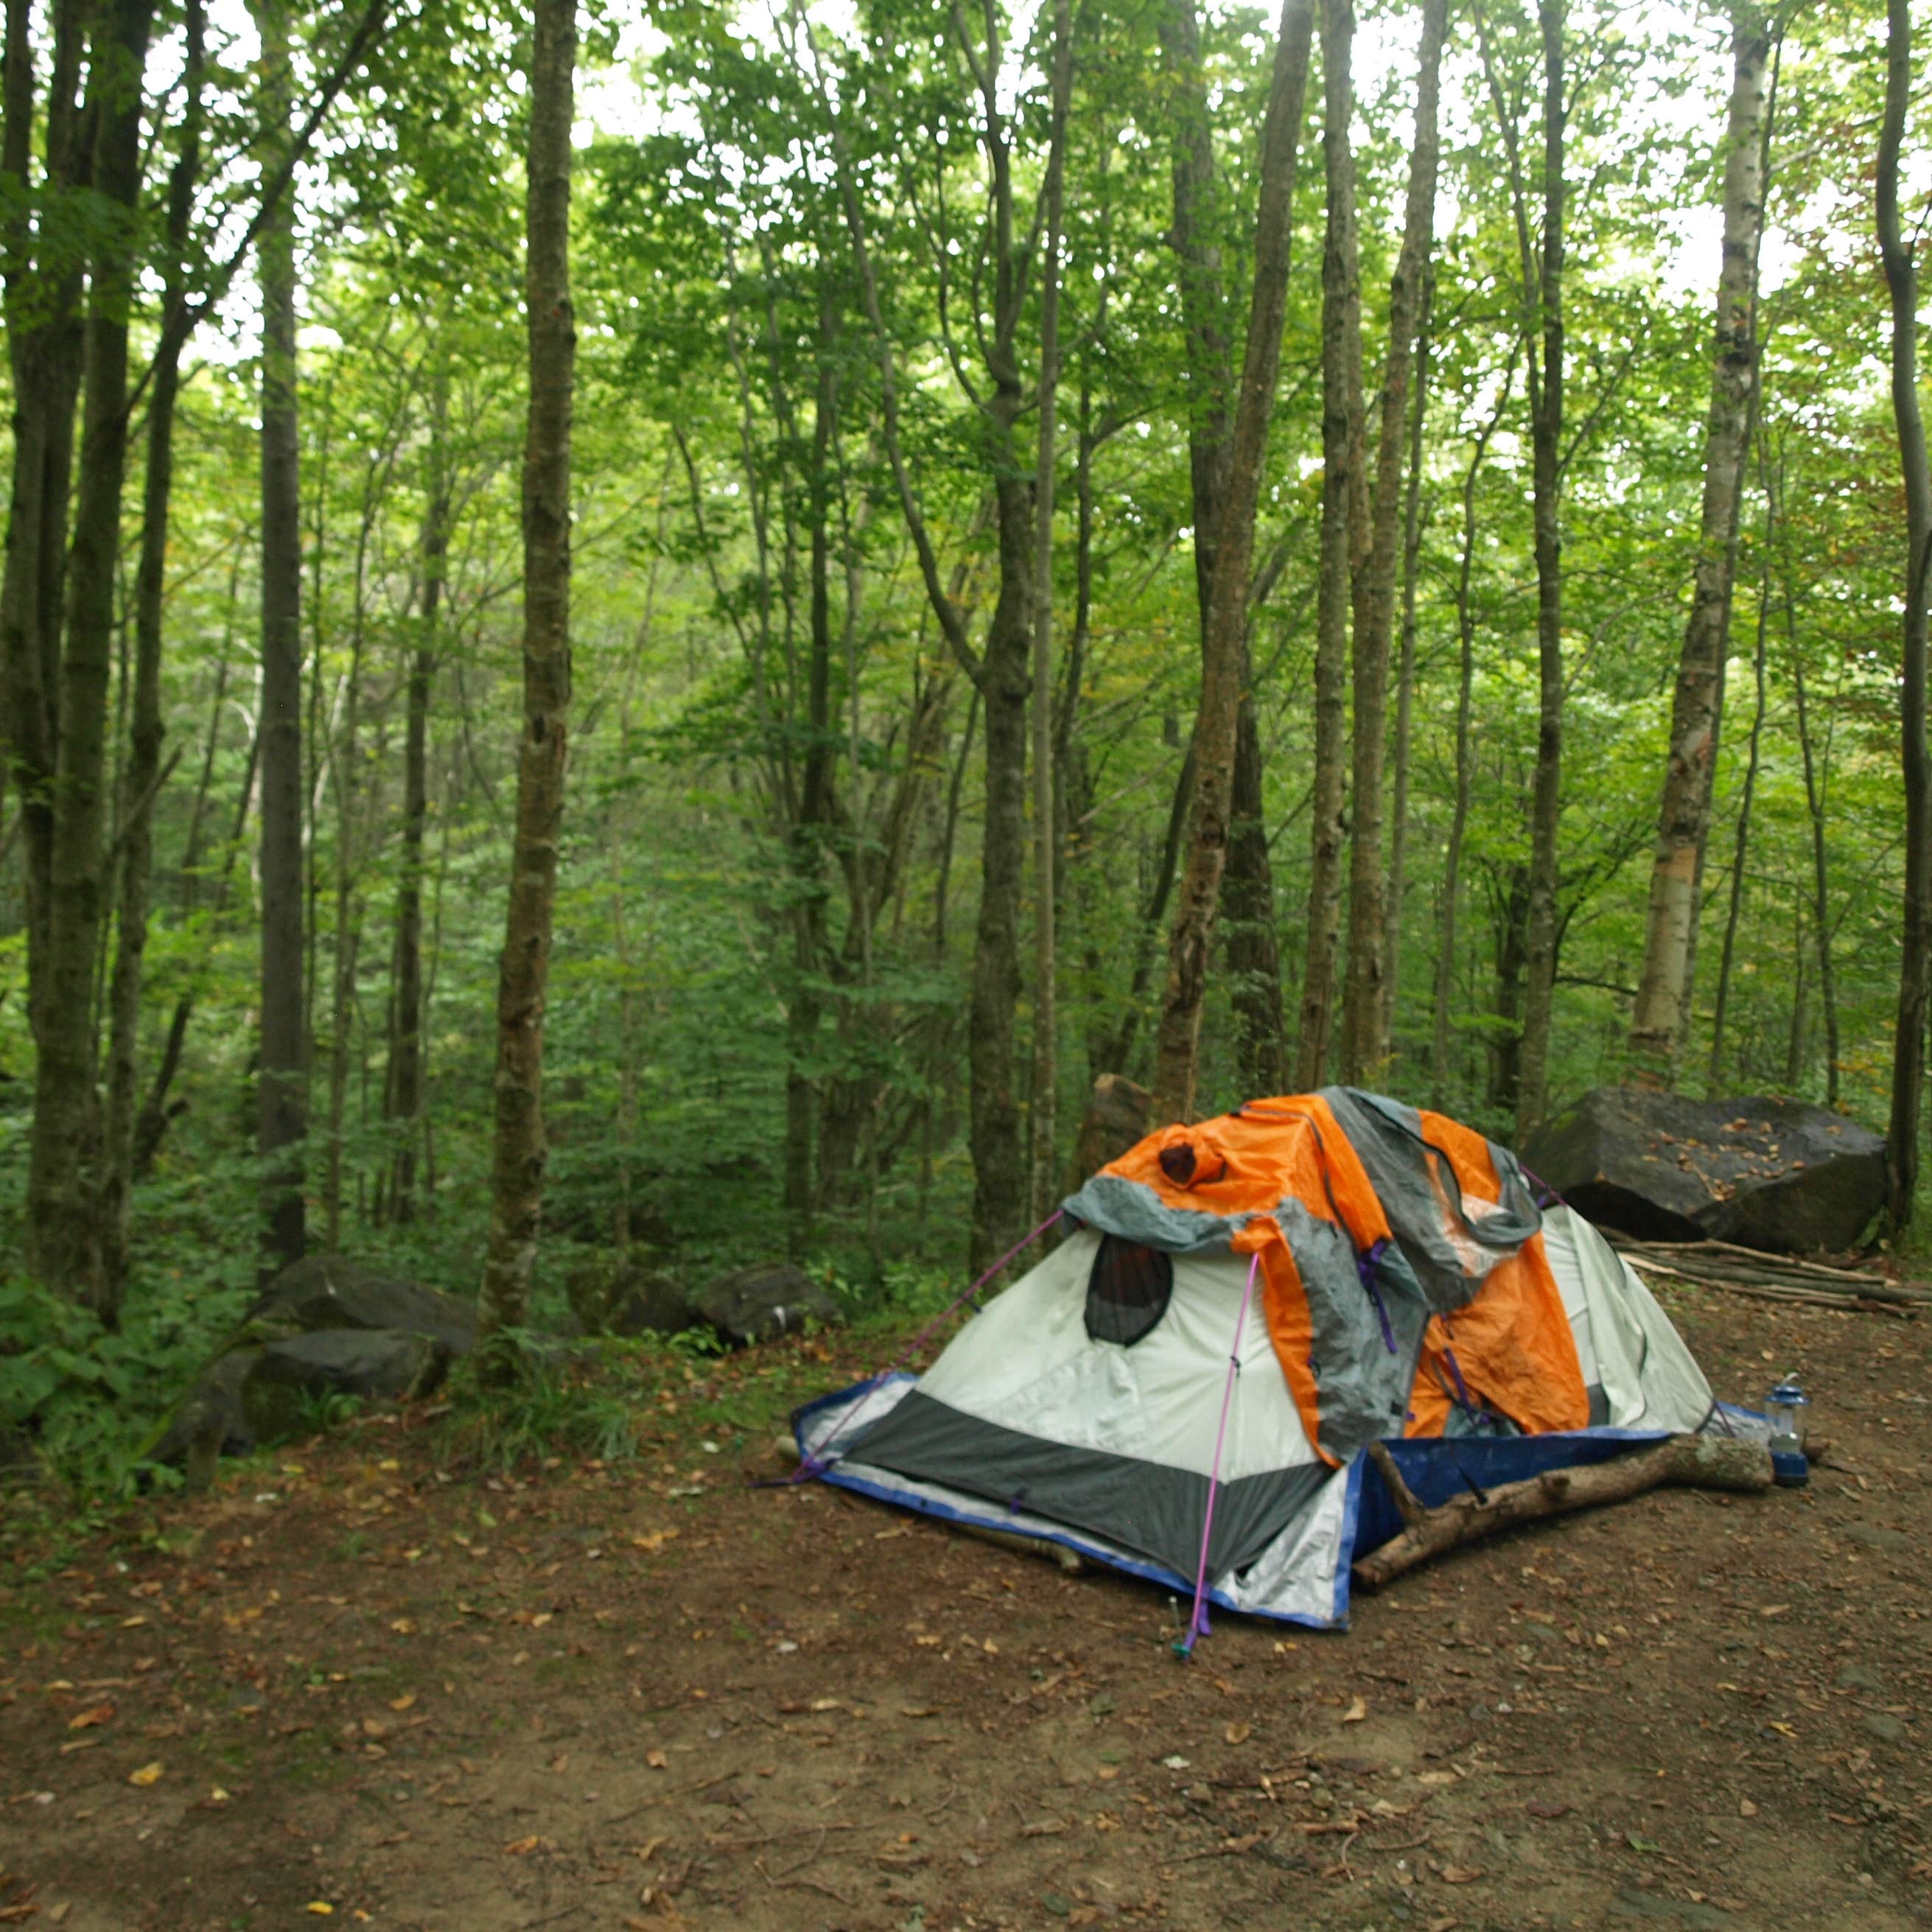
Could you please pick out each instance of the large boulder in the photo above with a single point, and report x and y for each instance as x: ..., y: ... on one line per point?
x: 288, y: 1377
x: 762, y: 1302
x: 323, y: 1292
x: 1115, y: 1118
x: 210, y: 1421
x: 1775, y: 1174
x: 613, y: 1296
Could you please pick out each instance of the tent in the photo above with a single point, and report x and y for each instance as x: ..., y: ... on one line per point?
x: 1185, y: 1387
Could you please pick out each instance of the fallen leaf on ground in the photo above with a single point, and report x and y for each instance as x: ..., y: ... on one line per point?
x: 402, y: 1702
x: 1238, y: 1734
x: 657, y: 1760
x: 148, y: 1774
x: 1356, y: 1712
x: 320, y: 1907
x: 1459, y: 1874
x: 518, y: 1847
x: 82, y: 1720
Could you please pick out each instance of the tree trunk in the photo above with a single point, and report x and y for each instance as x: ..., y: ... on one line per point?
x: 1747, y: 799
x: 347, y: 767
x: 517, y: 1173
x: 1915, y: 971
x: 1247, y: 884
x: 1541, y: 935
x: 1815, y: 781
x: 45, y: 331
x: 999, y: 1190
x: 1365, y: 1009
x: 1046, y: 813
x: 813, y: 826
x: 282, y: 1119
x: 143, y: 777
x: 402, y: 1079
x: 1342, y: 486
x: 64, y: 1246
x: 1458, y: 820
x: 1223, y: 655
x: 1512, y: 947
x: 1684, y: 814
x: 1405, y: 697
x: 1002, y: 673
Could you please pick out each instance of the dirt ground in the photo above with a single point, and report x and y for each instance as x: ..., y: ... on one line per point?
x: 349, y: 1684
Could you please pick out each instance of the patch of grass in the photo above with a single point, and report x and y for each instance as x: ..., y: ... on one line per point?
x: 552, y: 1406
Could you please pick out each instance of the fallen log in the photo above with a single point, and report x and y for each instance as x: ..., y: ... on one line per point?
x: 1694, y: 1462
x: 1781, y: 1264
x: 1722, y: 1264
x: 1863, y: 1300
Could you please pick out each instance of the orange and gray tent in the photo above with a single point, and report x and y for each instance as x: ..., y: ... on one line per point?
x: 1184, y: 1387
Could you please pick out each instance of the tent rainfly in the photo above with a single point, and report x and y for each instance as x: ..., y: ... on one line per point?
x: 1185, y: 1388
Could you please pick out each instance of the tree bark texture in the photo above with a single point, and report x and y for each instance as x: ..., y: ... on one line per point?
x: 144, y: 776
x: 1541, y: 932
x: 64, y: 1245
x: 1915, y: 977
x: 1343, y: 495
x: 282, y: 1110
x: 1684, y: 811
x: 1046, y: 813
x: 1223, y: 655
x: 1740, y: 841
x: 1402, y: 748
x: 1247, y: 885
x: 45, y: 332
x: 1246, y: 881
x: 517, y: 1171
x: 1458, y: 816
x: 1365, y: 1009
x: 402, y: 1079
x: 998, y: 1127
x: 811, y: 829
x: 1817, y: 775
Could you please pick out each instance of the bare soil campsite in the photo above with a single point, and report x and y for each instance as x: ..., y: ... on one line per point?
x: 368, y: 1681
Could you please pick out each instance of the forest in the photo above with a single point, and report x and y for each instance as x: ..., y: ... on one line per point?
x: 664, y: 631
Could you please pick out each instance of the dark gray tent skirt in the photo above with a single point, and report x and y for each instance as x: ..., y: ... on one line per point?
x: 1150, y: 1508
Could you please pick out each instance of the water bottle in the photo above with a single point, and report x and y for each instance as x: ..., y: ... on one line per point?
x: 1784, y: 1408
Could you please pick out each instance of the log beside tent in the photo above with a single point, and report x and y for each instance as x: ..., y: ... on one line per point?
x: 1691, y: 1462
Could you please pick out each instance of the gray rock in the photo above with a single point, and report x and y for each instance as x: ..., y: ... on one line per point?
x: 612, y: 1296
x: 1766, y: 1174
x: 329, y: 1292
x: 209, y: 1422
x: 1116, y: 1117
x: 761, y: 1303
x: 1883, y: 1724
x: 1853, y: 1678
x: 378, y: 1364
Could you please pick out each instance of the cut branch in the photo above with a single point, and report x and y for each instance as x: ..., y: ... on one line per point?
x: 1690, y: 1462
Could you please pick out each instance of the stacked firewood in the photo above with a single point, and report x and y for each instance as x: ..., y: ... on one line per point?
x: 1763, y: 1277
